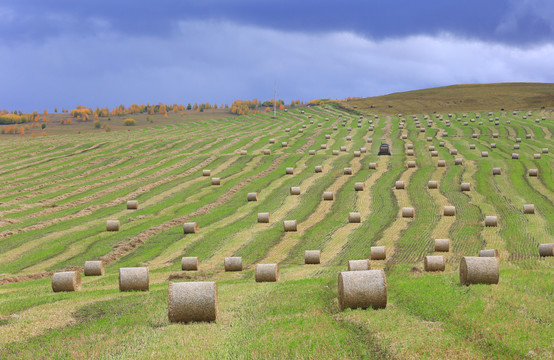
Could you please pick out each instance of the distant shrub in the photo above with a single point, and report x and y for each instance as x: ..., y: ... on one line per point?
x: 107, y: 128
x: 43, y: 126
x: 97, y: 125
x: 129, y: 122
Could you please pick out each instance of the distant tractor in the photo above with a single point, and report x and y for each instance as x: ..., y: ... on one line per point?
x: 384, y: 149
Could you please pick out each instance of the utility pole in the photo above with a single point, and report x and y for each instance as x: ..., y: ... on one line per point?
x: 274, y: 101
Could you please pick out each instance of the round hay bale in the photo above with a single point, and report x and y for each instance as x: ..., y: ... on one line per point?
x: 132, y: 204
x: 233, y: 263
x: 422, y: 130
x: 411, y: 164
x: 359, y: 265
x: 533, y: 172
x: 343, y: 148
x: 94, y: 268
x: 488, y: 253
x: 545, y: 150
x: 323, y: 146
x: 491, y: 221
x: 252, y: 196
x: 410, y: 152
x: 441, y: 163
x: 216, y: 181
x: 449, y: 210
x: 363, y: 150
x: 289, y: 171
x: 432, y: 148
x: 134, y: 279
x: 484, y: 154
x: 267, y: 152
x: 289, y: 225
x: 244, y: 152
x: 516, y: 146
x: 432, y: 184
x: 272, y: 141
x: 66, y: 281
x: 311, y: 152
x: 284, y: 144
x: 362, y: 289
x: 465, y: 186
x: 349, y: 138
x: 404, y: 136
x: 191, y: 227
x: 318, y: 168
x: 295, y: 190
x: 263, y: 217
x: 474, y: 136
x: 327, y: 136
x: 495, y: 135
x: 518, y: 140
x: 347, y: 171
x: 458, y: 161
x: 528, y: 136
x: 430, y: 139
x: 515, y: 156
x: 378, y: 253
x: 529, y: 208
x: 372, y: 166
x: 267, y: 272
x: 546, y: 249
x: 434, y: 153
x: 112, y: 225
x: 192, y: 301
x: 312, y: 256
x: 479, y: 270
x: 328, y: 195
x: 536, y: 156
x: 300, y: 130
x: 399, y: 185
x: 190, y: 263
x: 434, y: 263
x: 496, y: 171
x: 357, y: 153
x: 454, y: 152
x: 369, y: 140
x: 493, y: 145
x: 442, y: 143
x: 287, y: 130
x: 354, y: 217
x: 335, y: 152
x: 206, y: 172
x: 410, y: 146
x: 359, y: 186
x: 408, y: 212
x: 442, y: 245
x: 335, y: 128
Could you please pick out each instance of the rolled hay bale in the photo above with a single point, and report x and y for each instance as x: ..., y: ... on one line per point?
x: 66, y: 281
x: 466, y: 123
x: 445, y: 134
x: 354, y: 217
x: 518, y: 140
x: 327, y: 136
x: 357, y: 153
x: 190, y: 227
x: 399, y: 185
x: 515, y: 156
x: 252, y: 196
x: 441, y: 144
x: 458, y: 161
x: 533, y: 172
x: 244, y: 152
x: 488, y: 253
x: 323, y: 146
x: 474, y: 136
x: 347, y: 171
x: 272, y: 141
x: 328, y: 195
x: 410, y: 146
x: 267, y: 272
x: 429, y: 138
x: 192, y: 301
x: 491, y: 221
x: 496, y: 171
x: 546, y: 249
x: 545, y: 150
x: 319, y: 125
x: 311, y: 152
x: 484, y: 154
x: 284, y: 144
x: 536, y: 156
x: 263, y: 217
x: 335, y: 128
x: 465, y: 186
x: 289, y: 171
x: 516, y: 146
x: 134, y: 279
x: 449, y: 210
x: 422, y: 130
x: 362, y: 289
x: 431, y: 148
x: 434, y: 153
x: 363, y: 150
x: 216, y: 181
x: 372, y: 166
x: 472, y: 146
x: 318, y: 168
x: 442, y: 245
x: 432, y: 184
x: 528, y: 136
x: 378, y: 253
x: 206, y: 172
x: 295, y: 190
x: 410, y: 152
x: 408, y: 212
x: 529, y: 208
x: 369, y: 140
x: 349, y: 138
x: 335, y: 152
x: 289, y: 225
x: 359, y: 186
x: 411, y: 164
x: 479, y: 270
x: 454, y: 152
x: 94, y: 268
x: 287, y: 130
x: 312, y: 256
x: 404, y: 136
x: 132, y: 204
x: 441, y: 163
x: 495, y: 135
x: 434, y: 263
x: 493, y: 145
x: 190, y: 263
x: 267, y: 152
x: 233, y: 263
x: 359, y: 265
x: 112, y: 225
x: 343, y: 148
x: 300, y: 130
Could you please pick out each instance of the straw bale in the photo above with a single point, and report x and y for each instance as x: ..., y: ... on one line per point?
x: 479, y: 270
x: 233, y: 263
x: 312, y: 256
x: 263, y: 217
x: 191, y: 227
x: 66, y: 281
x: 362, y: 289
x: 190, y: 263
x: 289, y: 225
x: 94, y: 268
x: 434, y: 263
x: 134, y: 279
x: 378, y: 253
x: 192, y: 301
x: 267, y: 272
x: 358, y: 265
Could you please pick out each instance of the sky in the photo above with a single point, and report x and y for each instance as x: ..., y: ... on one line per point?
x: 104, y: 53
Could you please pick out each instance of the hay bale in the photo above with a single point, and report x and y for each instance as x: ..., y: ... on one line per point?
x: 190, y: 227
x: 493, y: 145
x: 192, y: 301
x: 474, y: 136
x: 349, y: 138
x: 410, y: 146
x: 479, y: 270
x: 318, y: 168
x: 442, y: 245
x: 359, y: 186
x: 432, y: 184
x: 312, y: 256
x: 429, y: 138
x: 359, y: 265
x: 441, y: 163
x: 206, y: 172
x: 134, y: 279
x: 369, y: 140
x: 284, y: 144
x: 335, y: 128
x: 496, y: 171
x: 311, y: 152
x: 362, y: 289
x: 441, y: 144
x: 267, y: 272
x: 66, y: 281
x: 454, y: 152
x: 491, y: 221
x: 243, y: 152
x: 404, y: 136
x: 408, y: 212
x: 533, y: 172
x: 343, y: 148
x: 357, y: 153
x: 529, y: 208
x: 434, y: 153
x: 378, y: 253
x: 546, y: 249
x: 536, y: 156
x: 488, y: 253
x: 495, y: 135
x: 411, y: 164
x: 328, y: 195
x: 484, y: 154
x: 354, y: 217
x: 190, y: 263
x: 528, y: 136
x: 295, y: 190
x: 327, y: 136
x: 347, y: 171
x: 267, y: 152
x: 518, y: 140
x: 399, y: 185
x: 300, y: 130
x: 272, y: 141
x: 287, y: 130
x: 112, y: 225
x: 465, y: 186
x: 410, y: 152
x: 94, y: 268
x: 323, y: 146
x: 516, y: 146
x: 216, y: 181
x: 434, y: 263
x: 335, y: 152
x: 363, y: 150
x: 515, y: 156
x: 233, y: 263
x: 545, y: 150
x: 289, y: 225
x: 263, y: 217
x: 132, y: 204
x: 458, y: 161
x: 372, y: 166
x: 432, y: 148
x: 449, y: 210
x: 289, y: 171
x: 252, y: 196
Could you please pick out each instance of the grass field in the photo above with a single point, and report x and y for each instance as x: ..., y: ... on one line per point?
x: 58, y: 192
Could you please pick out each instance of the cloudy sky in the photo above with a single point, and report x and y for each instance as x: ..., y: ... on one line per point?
x: 108, y: 52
